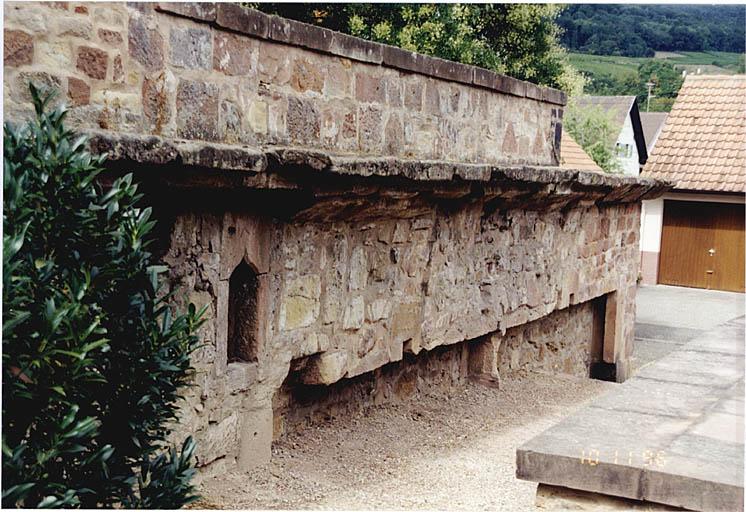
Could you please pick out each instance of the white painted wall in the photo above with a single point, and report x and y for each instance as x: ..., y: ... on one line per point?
x: 651, y: 225
x: 630, y: 165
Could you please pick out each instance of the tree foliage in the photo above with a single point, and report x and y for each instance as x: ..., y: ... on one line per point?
x: 520, y: 40
x: 666, y: 79
x: 93, y: 358
x: 641, y: 30
x: 596, y: 132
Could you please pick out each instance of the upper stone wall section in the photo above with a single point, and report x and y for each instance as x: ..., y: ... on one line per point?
x: 221, y: 73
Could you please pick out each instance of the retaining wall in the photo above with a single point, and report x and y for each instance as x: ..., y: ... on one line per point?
x: 339, y: 205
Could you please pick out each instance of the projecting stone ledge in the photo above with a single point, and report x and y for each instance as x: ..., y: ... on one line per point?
x: 672, y: 434
x: 523, y: 186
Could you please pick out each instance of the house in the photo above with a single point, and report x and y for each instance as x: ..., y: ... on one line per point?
x: 572, y: 155
x: 694, y: 235
x: 652, y: 124
x: 630, y: 142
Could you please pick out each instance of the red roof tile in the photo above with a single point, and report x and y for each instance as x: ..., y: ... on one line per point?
x: 703, y: 143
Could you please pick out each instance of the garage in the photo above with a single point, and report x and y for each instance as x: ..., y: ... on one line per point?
x: 702, y: 245
x: 694, y: 235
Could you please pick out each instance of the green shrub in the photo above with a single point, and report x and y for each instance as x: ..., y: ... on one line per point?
x: 93, y: 358
x: 596, y: 132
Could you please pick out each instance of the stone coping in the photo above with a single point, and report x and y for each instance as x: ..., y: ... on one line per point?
x: 149, y: 149
x: 233, y: 17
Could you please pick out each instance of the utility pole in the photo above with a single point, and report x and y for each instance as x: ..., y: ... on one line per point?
x: 650, y: 86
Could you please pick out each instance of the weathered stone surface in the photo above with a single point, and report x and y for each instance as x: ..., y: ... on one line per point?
x: 18, y: 48
x: 354, y: 314
x: 375, y: 203
x: 197, y: 110
x: 205, y: 11
x: 234, y: 55
x: 78, y: 91
x: 300, y: 304
x: 325, y: 368
x: 145, y: 44
x: 247, y: 21
x: 307, y: 76
x: 110, y: 36
x: 156, y: 106
x: 191, y: 48
x: 304, y: 124
x: 369, y: 88
x: 117, y: 70
x: 93, y: 62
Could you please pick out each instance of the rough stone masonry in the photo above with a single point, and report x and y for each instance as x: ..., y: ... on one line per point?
x: 360, y: 221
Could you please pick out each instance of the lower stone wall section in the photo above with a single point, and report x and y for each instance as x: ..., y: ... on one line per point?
x: 567, y: 341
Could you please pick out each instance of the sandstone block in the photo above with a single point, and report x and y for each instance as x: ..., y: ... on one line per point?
x: 358, y: 269
x: 197, y: 110
x: 393, y: 136
x: 191, y: 48
x: 93, y: 62
x: 257, y: 117
x: 256, y: 438
x: 234, y: 55
x: 307, y: 76
x: 78, y: 91
x: 205, y: 11
x: 156, y: 106
x: 303, y: 121
x: 18, y: 49
x: 218, y: 440
x: 354, y: 314
x: 74, y: 26
x: 369, y: 88
x: 145, y: 44
x: 43, y: 81
x: 378, y: 310
x: 370, y: 128
x: 300, y: 303
x: 406, y: 321
x: 110, y: 36
x: 326, y: 368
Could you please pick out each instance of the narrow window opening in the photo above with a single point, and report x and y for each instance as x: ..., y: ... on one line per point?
x: 599, y: 369
x: 242, y: 315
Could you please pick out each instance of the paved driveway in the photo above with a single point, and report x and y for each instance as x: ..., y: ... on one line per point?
x: 674, y: 432
x: 668, y: 316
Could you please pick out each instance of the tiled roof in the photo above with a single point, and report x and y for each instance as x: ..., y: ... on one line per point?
x: 652, y: 123
x: 703, y: 144
x: 572, y: 155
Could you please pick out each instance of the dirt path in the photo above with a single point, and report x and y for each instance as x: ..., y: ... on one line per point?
x: 437, y: 451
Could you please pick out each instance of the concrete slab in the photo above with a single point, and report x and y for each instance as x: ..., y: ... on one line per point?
x: 690, y: 308
x: 672, y: 434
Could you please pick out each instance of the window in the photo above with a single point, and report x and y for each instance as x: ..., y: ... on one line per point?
x: 242, y: 314
x: 624, y: 150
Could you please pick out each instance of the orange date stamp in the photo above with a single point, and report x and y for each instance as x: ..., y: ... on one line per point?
x: 649, y: 458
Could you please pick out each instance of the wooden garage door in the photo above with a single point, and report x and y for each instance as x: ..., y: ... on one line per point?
x: 702, y: 245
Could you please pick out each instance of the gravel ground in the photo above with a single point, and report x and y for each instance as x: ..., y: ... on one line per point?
x: 452, y: 451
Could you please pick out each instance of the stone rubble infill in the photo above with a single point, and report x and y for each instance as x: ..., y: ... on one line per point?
x: 673, y: 434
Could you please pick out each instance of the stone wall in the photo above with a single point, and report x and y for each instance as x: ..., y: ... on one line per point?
x: 341, y: 299
x: 217, y: 72
x: 339, y: 206
x: 567, y: 341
